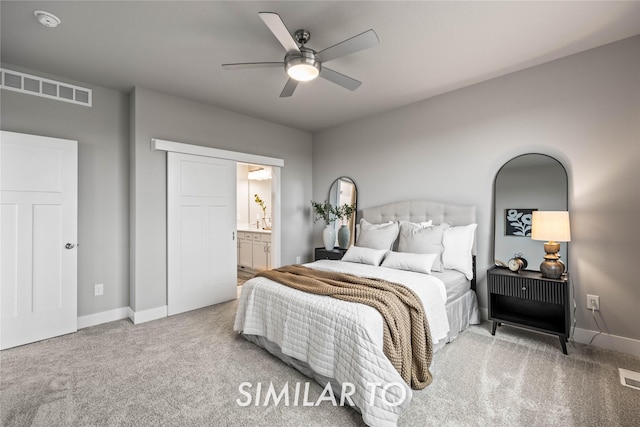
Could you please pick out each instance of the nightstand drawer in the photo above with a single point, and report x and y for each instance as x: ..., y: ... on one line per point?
x: 531, y: 289
x: 334, y: 254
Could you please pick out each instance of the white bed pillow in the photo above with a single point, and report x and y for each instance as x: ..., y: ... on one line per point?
x: 422, y: 240
x: 364, y: 255
x: 423, y: 224
x: 377, y: 236
x: 420, y: 263
x: 458, y: 244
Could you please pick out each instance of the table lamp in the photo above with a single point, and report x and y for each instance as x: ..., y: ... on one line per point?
x: 552, y: 226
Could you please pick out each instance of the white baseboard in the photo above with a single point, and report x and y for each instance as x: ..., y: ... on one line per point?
x: 103, y: 317
x: 122, y: 313
x: 147, y: 315
x: 607, y: 341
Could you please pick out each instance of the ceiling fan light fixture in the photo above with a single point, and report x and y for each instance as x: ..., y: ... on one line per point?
x: 303, y: 64
x: 302, y: 68
x: 302, y: 72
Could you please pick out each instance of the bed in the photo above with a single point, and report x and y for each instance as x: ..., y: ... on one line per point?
x: 340, y: 343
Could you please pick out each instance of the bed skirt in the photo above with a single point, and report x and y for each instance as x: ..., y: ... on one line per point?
x: 461, y: 313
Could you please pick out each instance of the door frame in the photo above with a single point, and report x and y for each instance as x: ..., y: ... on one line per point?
x: 276, y: 163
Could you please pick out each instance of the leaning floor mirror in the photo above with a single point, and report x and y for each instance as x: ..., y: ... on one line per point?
x: 525, y: 184
x: 343, y: 191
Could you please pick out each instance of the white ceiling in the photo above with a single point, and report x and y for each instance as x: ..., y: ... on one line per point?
x: 426, y: 48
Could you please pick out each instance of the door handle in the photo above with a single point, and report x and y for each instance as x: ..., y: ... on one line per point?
x: 69, y: 246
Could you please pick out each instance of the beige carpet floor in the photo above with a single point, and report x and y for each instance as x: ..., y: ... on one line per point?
x: 186, y: 370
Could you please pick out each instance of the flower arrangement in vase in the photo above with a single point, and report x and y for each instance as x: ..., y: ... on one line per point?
x: 327, y: 213
x: 260, y: 202
x: 323, y: 211
x: 344, y: 212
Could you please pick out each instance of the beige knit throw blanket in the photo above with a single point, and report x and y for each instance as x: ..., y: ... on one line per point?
x: 407, y: 340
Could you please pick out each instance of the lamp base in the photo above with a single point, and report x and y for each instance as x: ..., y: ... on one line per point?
x: 552, y: 269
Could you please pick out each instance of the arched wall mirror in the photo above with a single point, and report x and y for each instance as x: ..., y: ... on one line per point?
x: 523, y: 184
x: 343, y: 191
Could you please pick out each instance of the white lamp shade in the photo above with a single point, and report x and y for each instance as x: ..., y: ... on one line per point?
x: 552, y: 226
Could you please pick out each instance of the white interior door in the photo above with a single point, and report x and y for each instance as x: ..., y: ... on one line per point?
x: 201, y: 234
x: 38, y: 229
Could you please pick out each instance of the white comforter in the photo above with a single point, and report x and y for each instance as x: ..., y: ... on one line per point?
x: 339, y: 339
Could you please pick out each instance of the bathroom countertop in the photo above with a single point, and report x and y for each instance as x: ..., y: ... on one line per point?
x: 252, y: 229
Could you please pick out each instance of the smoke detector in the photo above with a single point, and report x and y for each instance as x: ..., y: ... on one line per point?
x: 47, y: 19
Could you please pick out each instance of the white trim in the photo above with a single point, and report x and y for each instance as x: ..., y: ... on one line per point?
x: 276, y: 240
x: 607, y: 341
x: 103, y: 317
x: 147, y: 315
x: 198, y: 150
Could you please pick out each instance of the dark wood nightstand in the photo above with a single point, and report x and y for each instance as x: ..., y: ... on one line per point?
x: 335, y: 253
x: 528, y: 300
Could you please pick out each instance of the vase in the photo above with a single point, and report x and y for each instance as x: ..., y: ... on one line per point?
x: 329, y: 237
x: 266, y: 224
x: 344, y: 235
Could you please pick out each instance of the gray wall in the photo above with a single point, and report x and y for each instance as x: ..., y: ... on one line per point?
x: 156, y: 115
x: 584, y: 110
x: 121, y: 216
x: 102, y: 132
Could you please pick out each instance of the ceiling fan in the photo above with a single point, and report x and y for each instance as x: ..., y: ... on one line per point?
x: 302, y: 63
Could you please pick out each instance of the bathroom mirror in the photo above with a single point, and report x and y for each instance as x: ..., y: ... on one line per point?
x: 523, y: 184
x: 343, y: 190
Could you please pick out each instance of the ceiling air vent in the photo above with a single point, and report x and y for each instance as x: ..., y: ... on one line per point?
x: 34, y: 85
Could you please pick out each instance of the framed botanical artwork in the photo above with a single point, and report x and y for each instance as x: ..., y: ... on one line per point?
x: 518, y: 222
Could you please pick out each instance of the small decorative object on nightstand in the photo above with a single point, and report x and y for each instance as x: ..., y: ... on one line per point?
x: 335, y: 253
x: 517, y: 263
x: 529, y: 300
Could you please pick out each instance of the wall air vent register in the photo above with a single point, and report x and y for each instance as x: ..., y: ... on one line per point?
x: 629, y: 378
x: 38, y: 86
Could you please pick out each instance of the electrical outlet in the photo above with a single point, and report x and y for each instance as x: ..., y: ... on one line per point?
x: 98, y: 289
x: 298, y: 259
x: 593, y: 302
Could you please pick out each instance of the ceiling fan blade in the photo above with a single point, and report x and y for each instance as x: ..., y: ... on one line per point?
x: 289, y: 87
x: 339, y: 79
x: 246, y: 65
x: 277, y: 27
x: 354, y: 44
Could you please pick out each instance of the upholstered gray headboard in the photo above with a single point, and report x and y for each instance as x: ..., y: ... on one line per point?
x: 422, y: 210
x: 425, y: 210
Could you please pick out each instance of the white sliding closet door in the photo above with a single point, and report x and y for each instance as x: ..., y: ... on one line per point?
x: 38, y: 230
x: 201, y: 234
